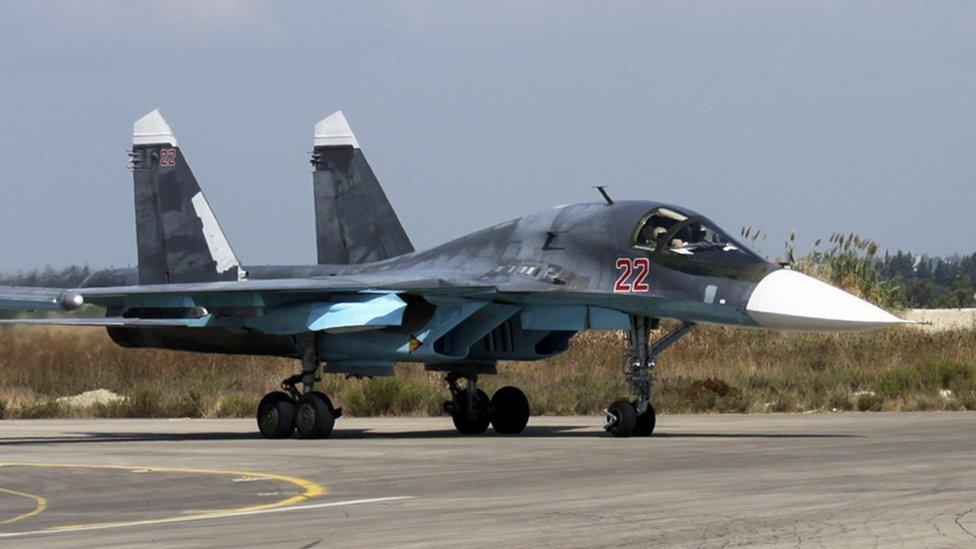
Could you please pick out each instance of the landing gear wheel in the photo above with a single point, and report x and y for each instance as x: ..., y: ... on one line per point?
x: 645, y: 423
x: 276, y: 415
x: 620, y: 418
x: 314, y: 417
x: 471, y: 419
x: 511, y: 410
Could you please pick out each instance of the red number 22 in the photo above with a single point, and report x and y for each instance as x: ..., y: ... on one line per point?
x: 167, y: 157
x: 641, y: 265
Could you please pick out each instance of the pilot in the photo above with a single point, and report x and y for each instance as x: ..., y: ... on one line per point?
x: 659, y: 233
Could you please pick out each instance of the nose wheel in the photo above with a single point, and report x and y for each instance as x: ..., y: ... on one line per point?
x: 636, y: 416
x: 645, y: 423
x: 620, y: 418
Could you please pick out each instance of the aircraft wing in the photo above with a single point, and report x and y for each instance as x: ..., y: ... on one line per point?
x: 18, y: 298
x: 276, y: 306
x: 277, y: 286
x: 109, y: 322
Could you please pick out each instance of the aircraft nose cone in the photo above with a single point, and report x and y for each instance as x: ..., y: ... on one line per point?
x: 788, y: 300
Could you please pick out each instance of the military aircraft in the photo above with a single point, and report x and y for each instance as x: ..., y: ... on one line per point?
x: 518, y: 290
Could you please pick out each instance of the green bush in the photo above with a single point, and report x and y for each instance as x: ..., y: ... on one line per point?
x: 236, y: 406
x: 839, y: 399
x: 43, y: 409
x: 713, y: 370
x: 868, y: 402
x: 142, y: 402
x: 784, y: 403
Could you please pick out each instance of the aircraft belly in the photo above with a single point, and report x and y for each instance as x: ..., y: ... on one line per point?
x: 572, y: 318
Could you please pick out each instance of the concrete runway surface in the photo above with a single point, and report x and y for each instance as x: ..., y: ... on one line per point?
x: 772, y: 480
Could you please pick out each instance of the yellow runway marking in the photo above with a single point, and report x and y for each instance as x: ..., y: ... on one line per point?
x: 312, y: 490
x: 324, y: 505
x: 41, y: 504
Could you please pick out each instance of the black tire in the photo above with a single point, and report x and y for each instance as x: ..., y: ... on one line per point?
x: 624, y: 417
x: 276, y: 415
x: 471, y: 425
x: 644, y: 426
x: 314, y: 416
x: 510, y: 410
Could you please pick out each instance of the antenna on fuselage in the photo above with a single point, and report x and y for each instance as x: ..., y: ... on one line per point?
x: 603, y: 191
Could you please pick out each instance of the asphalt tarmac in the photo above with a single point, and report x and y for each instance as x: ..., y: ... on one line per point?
x: 773, y: 480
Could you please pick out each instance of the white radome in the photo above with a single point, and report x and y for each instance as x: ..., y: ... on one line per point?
x: 788, y: 300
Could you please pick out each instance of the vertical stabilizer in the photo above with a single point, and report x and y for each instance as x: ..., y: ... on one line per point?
x: 177, y: 234
x: 354, y: 222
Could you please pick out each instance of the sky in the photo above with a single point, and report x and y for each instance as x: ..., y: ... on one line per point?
x: 807, y: 116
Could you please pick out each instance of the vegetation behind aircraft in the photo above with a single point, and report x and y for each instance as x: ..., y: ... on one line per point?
x: 714, y: 370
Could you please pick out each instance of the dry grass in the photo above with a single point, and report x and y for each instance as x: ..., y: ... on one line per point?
x: 714, y: 369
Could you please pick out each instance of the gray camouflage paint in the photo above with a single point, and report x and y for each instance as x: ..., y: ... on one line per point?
x: 516, y: 290
x: 172, y: 247
x: 354, y: 221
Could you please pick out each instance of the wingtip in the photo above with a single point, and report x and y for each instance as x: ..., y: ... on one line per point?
x: 333, y: 130
x: 152, y: 129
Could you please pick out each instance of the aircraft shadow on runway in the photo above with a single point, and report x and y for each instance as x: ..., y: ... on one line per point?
x: 369, y: 434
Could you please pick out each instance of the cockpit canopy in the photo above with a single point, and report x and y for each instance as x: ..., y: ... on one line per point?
x: 655, y: 226
x: 689, y: 242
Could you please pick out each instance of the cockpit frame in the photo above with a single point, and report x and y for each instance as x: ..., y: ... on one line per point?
x: 727, y: 258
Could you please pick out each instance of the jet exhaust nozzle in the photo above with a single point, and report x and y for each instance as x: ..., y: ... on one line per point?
x: 788, y: 300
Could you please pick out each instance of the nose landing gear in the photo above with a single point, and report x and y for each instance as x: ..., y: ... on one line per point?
x: 636, y: 416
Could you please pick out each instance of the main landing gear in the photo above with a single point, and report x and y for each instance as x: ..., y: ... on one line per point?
x: 472, y: 411
x: 636, y: 416
x: 308, y: 411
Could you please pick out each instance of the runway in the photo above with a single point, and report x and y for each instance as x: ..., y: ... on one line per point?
x: 774, y: 480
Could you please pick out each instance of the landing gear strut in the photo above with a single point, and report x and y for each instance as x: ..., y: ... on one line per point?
x: 472, y: 411
x: 636, y: 416
x: 308, y: 411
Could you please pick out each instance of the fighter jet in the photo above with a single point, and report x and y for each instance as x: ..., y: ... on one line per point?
x: 518, y: 290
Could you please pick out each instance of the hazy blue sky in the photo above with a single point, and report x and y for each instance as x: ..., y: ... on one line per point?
x: 850, y: 116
